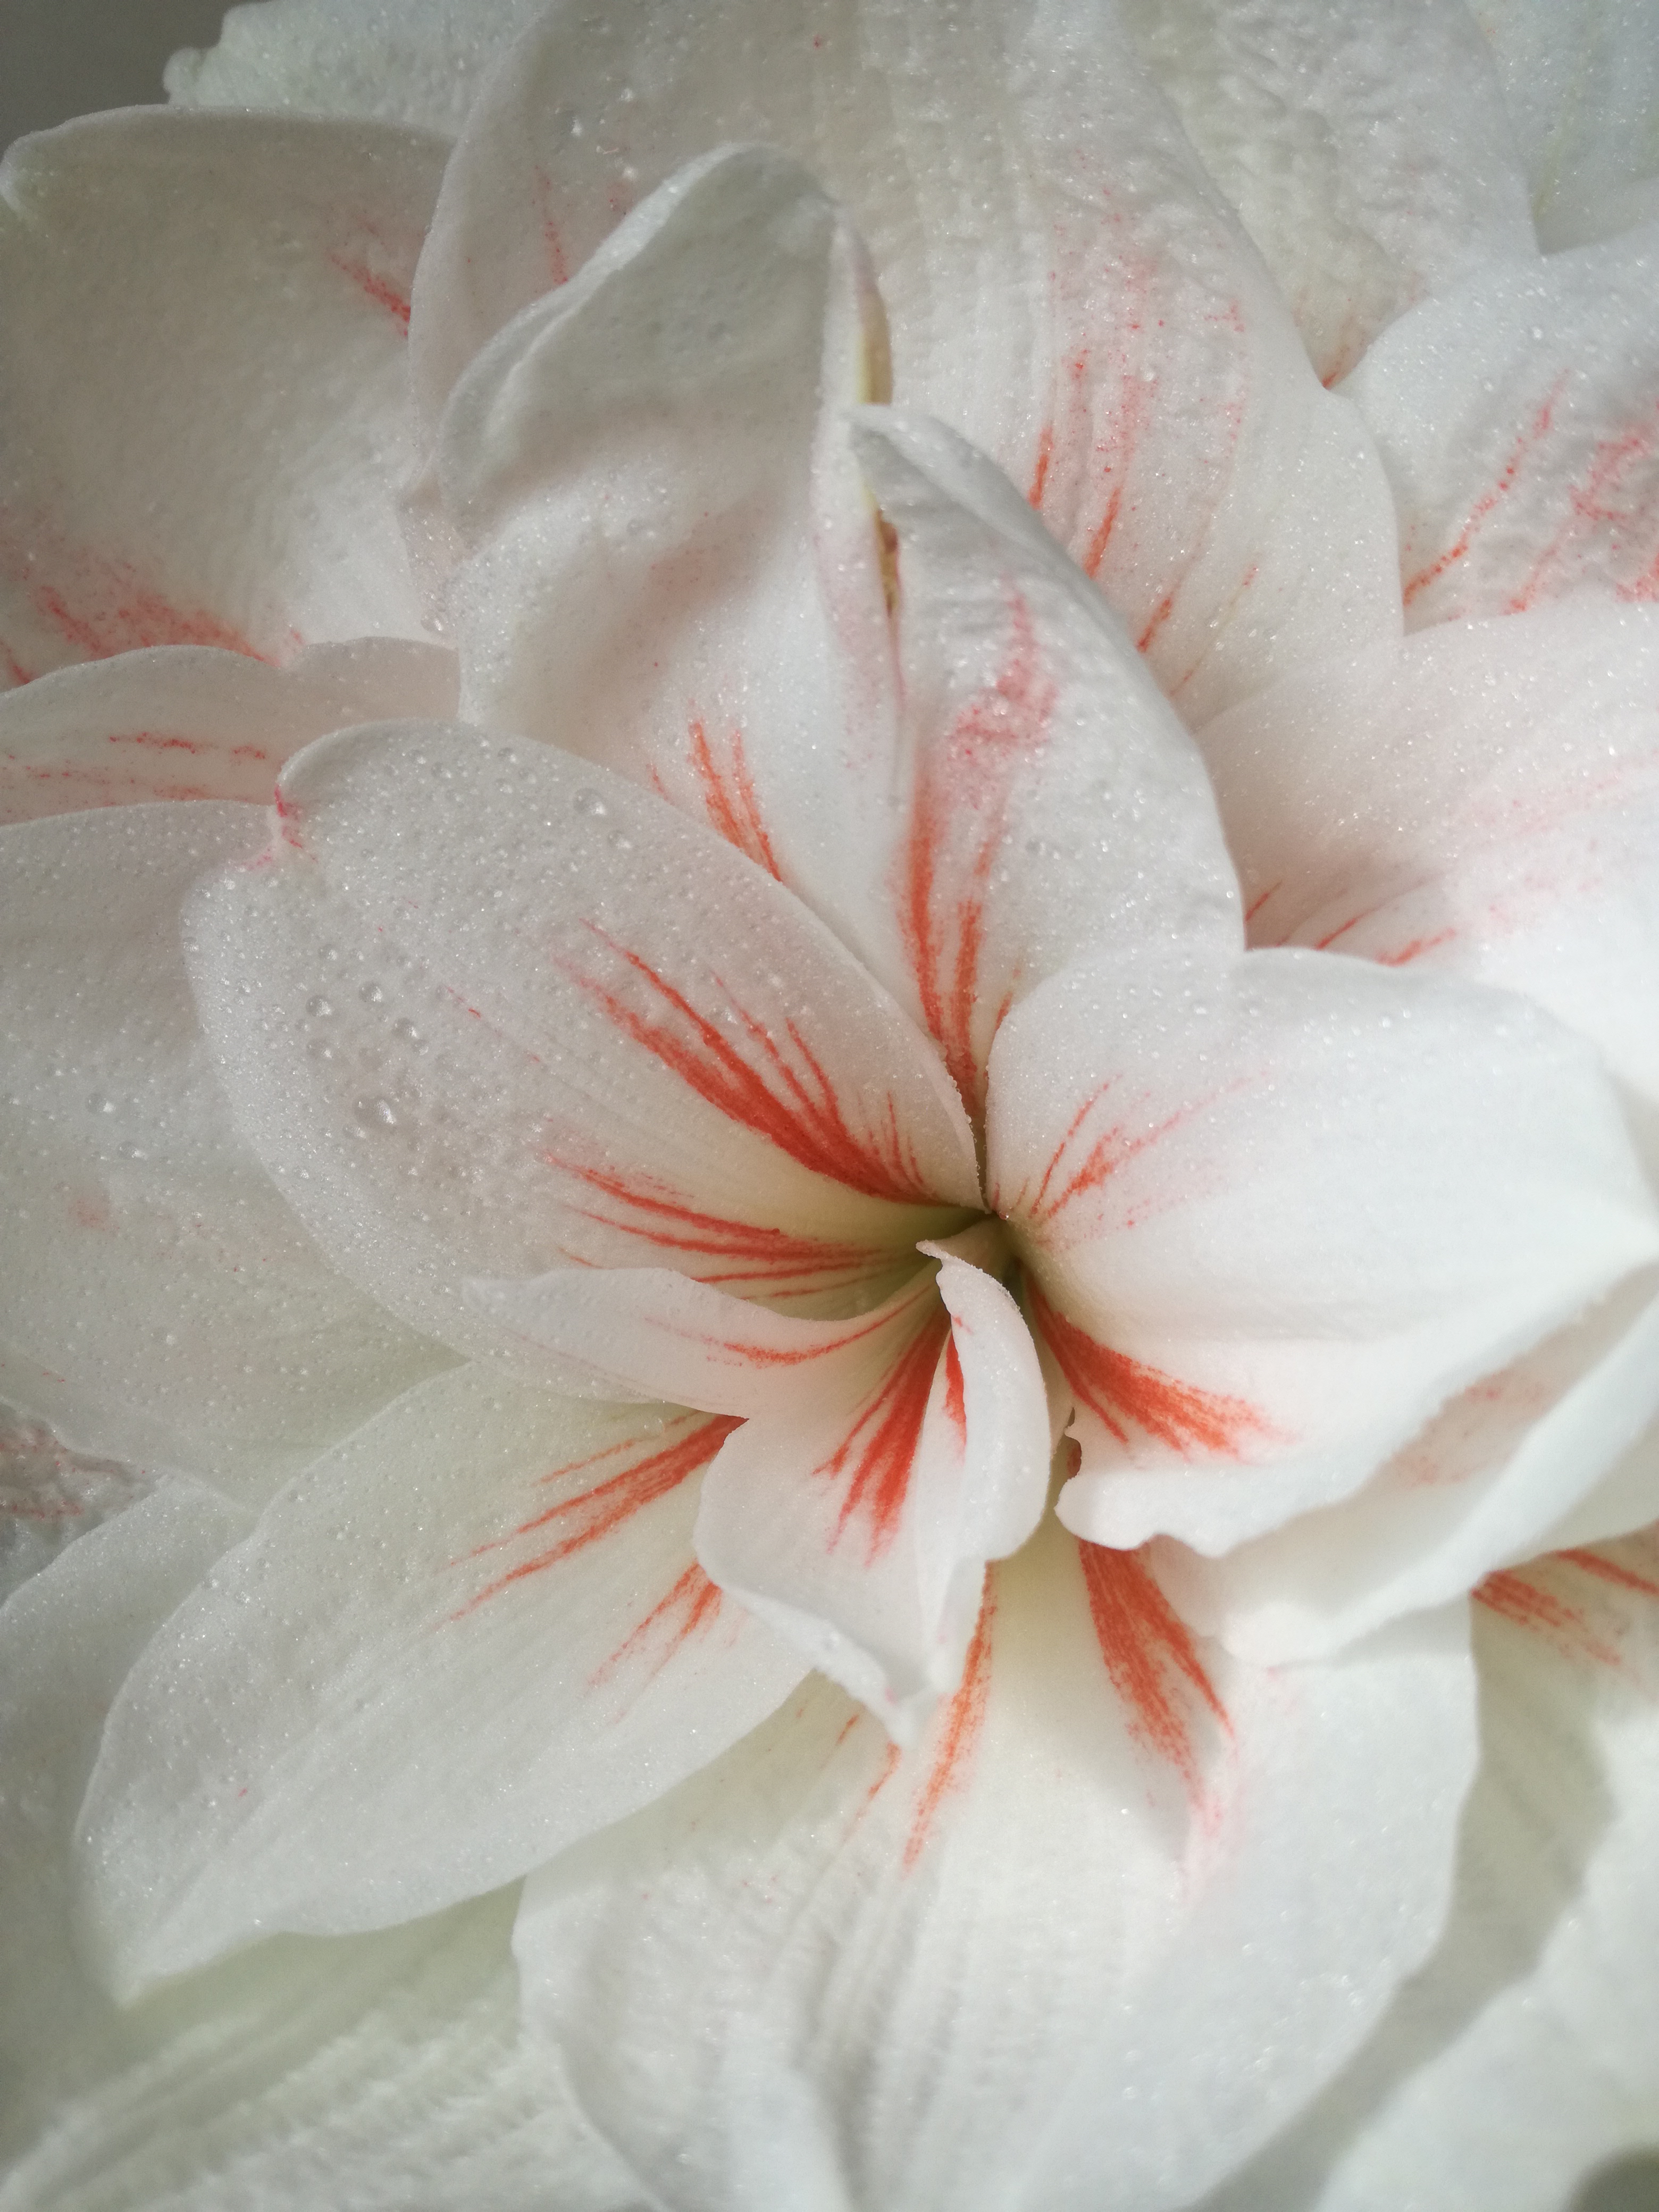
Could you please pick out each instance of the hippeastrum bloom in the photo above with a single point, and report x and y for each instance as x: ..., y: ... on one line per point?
x: 916, y: 1132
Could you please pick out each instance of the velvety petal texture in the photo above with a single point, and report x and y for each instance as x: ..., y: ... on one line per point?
x: 1064, y: 286
x: 159, y: 1303
x: 1517, y: 417
x: 828, y: 1949
x: 148, y: 258
x: 384, y: 2071
x: 471, y: 1634
x: 1522, y: 2057
x: 1365, y: 144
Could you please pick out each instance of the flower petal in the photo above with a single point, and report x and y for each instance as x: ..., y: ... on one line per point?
x: 675, y: 570
x: 274, y: 257
x: 186, y: 722
x: 1364, y: 143
x: 1277, y: 1214
x: 159, y: 1303
x: 471, y: 1633
x: 1064, y: 286
x: 1521, y: 2058
x: 1563, y: 1433
x: 421, y: 65
x: 826, y: 1949
x: 1029, y: 730
x: 486, y: 1010
x: 1517, y: 417
x: 1479, y: 800
x: 1581, y: 78
x: 390, y: 2064
x: 858, y: 1520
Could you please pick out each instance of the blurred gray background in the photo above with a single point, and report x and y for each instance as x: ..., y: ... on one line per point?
x: 60, y: 57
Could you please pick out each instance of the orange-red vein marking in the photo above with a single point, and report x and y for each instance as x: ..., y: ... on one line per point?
x: 693, y: 1604
x: 1120, y: 1391
x: 1149, y: 1655
x: 1537, y: 429
x: 880, y: 1450
x: 963, y: 1724
x: 731, y: 806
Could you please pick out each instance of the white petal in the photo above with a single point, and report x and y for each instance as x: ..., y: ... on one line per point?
x: 1017, y: 1966
x: 676, y: 570
x: 159, y: 1303
x: 1066, y: 287
x: 1581, y: 78
x: 202, y: 384
x: 488, y: 1010
x: 386, y: 2069
x: 859, y: 1518
x: 183, y: 722
x: 420, y: 64
x: 1275, y: 1218
x: 1515, y: 419
x: 471, y: 1634
x: 1524, y: 2055
x: 1558, y: 1447
x: 1364, y: 143
x: 1029, y: 734
x: 1482, y: 800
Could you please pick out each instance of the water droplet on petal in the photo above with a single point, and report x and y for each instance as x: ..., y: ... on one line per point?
x: 98, y: 1104
x: 376, y: 1113
x: 319, y: 1006
x: 371, y: 994
x: 403, y: 1027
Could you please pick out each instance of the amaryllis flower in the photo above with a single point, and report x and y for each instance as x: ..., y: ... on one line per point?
x: 916, y: 1129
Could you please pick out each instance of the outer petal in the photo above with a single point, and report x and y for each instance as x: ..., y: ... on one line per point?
x: 1364, y: 143
x: 1518, y: 419
x: 203, y: 384
x: 1284, y: 1212
x: 829, y: 1951
x: 672, y: 568
x: 471, y: 1634
x: 1481, y: 801
x: 859, y: 1522
x: 1581, y: 78
x: 420, y: 64
x: 486, y: 1009
x: 386, y: 2069
x: 1562, y: 1438
x: 184, y: 721
x: 1523, y: 2055
x: 1028, y: 728
x: 159, y: 1303
x: 1066, y: 287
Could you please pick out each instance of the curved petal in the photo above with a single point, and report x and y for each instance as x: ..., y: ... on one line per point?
x: 471, y: 1634
x: 1581, y: 79
x: 1564, y: 1433
x: 1029, y: 729
x: 391, y: 2065
x: 420, y: 64
x: 1517, y: 417
x: 858, y: 1519
x: 1064, y: 284
x: 1482, y: 800
x: 274, y: 257
x: 485, y: 1010
x: 1277, y: 1215
x: 1364, y: 143
x: 827, y: 1948
x: 160, y: 1304
x: 1523, y: 2055
x: 186, y: 722
x: 675, y: 569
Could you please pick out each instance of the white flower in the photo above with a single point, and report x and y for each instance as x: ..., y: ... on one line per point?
x: 831, y: 1364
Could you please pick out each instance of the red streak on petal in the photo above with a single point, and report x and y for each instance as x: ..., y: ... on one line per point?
x: 1104, y: 1157
x: 1591, y: 1563
x: 594, y: 1514
x: 1123, y: 1392
x: 1150, y: 1657
x: 1538, y: 428
x: 965, y: 788
x: 875, y: 1455
x: 805, y: 1122
x: 956, y: 1402
x: 728, y: 798
x: 15, y: 668
x: 1518, y: 1599
x: 377, y: 289
x: 1161, y: 614
x: 558, y: 267
x: 118, y: 615
x: 1040, y: 474
x: 1415, y: 949
x: 963, y: 1722
x: 1611, y: 503
x: 692, y: 1604
x: 1258, y: 901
